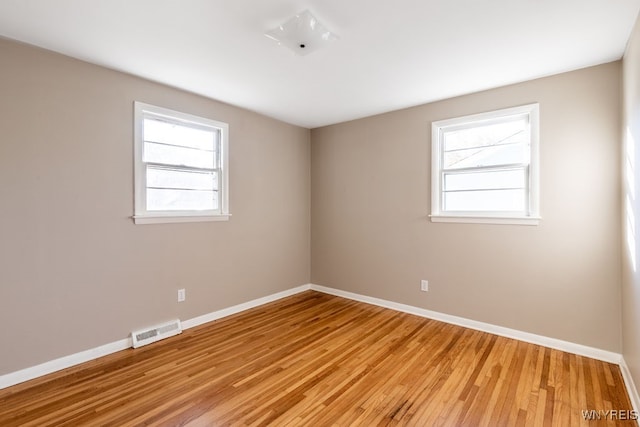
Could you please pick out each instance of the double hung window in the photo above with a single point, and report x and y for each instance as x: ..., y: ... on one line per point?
x: 181, y: 166
x: 485, y: 167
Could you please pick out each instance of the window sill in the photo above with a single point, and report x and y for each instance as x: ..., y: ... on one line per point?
x: 165, y: 219
x: 525, y: 220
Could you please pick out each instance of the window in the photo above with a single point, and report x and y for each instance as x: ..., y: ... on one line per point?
x: 485, y: 167
x: 181, y: 172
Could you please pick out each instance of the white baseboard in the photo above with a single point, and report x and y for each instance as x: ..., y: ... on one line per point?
x: 569, y: 347
x: 23, y: 375
x: 51, y: 366
x: 632, y: 391
x: 210, y: 317
x: 61, y: 363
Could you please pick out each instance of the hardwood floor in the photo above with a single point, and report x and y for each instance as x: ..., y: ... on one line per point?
x: 319, y: 360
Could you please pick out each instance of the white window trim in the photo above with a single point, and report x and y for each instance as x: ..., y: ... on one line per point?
x: 533, y: 217
x: 142, y: 216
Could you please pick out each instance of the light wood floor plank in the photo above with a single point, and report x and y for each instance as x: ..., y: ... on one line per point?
x: 319, y: 360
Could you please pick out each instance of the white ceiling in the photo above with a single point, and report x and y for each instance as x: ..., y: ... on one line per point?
x: 391, y: 53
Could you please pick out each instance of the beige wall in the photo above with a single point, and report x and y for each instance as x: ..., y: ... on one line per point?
x: 370, y: 196
x: 75, y: 272
x: 631, y: 206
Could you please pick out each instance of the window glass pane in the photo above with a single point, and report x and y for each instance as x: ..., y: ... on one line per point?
x: 182, y: 135
x: 179, y: 156
x: 484, y: 201
x: 487, y: 144
x: 480, y: 135
x: 181, y: 179
x: 181, y: 200
x: 485, y: 180
x: 487, y: 156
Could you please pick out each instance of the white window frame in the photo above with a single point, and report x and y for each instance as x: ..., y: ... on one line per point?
x: 142, y: 215
x: 438, y: 130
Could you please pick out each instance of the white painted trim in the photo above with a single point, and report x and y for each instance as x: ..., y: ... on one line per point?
x: 162, y: 219
x: 582, y: 350
x: 17, y: 377
x: 531, y: 217
x: 486, y: 220
x: 632, y: 391
x: 210, y: 317
x: 142, y: 216
x: 27, y: 374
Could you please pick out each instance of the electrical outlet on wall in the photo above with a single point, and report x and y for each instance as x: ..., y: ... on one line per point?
x: 182, y: 295
x: 424, y: 285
